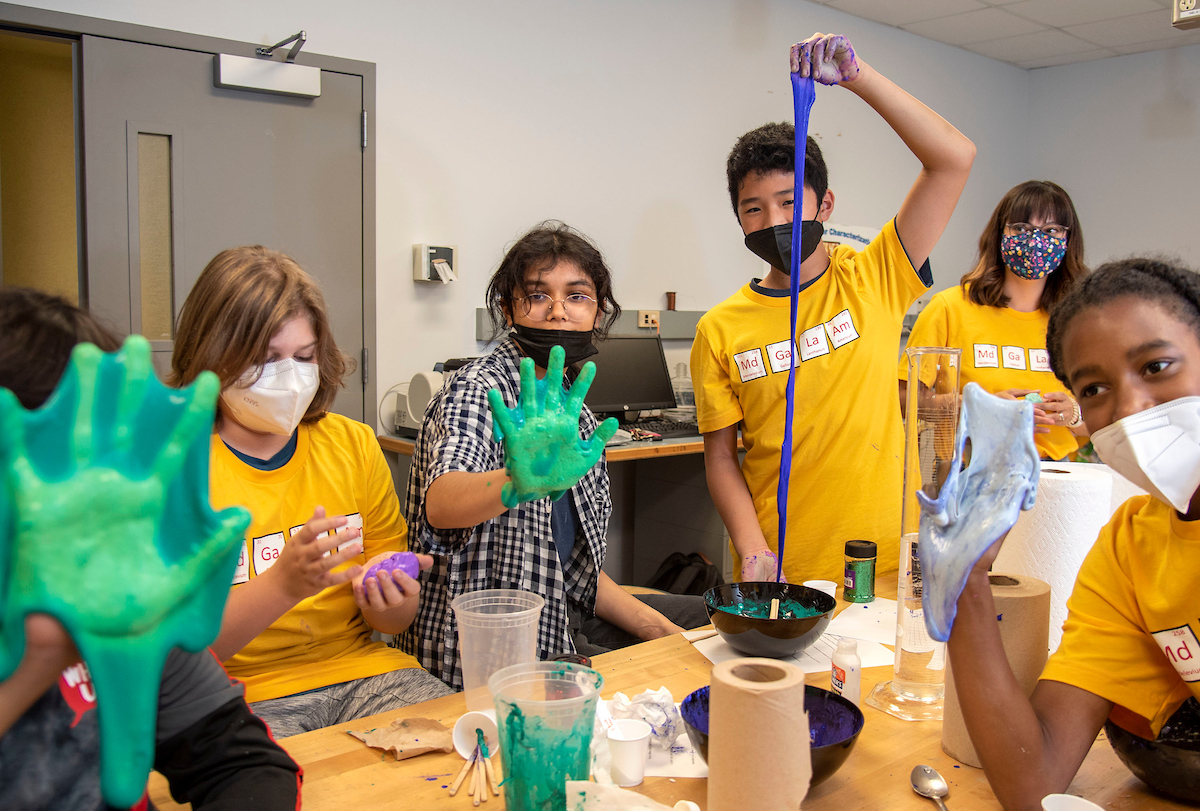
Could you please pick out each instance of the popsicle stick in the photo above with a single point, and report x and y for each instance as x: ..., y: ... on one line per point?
x: 458, y: 781
x: 477, y: 790
x: 491, y: 773
x: 774, y: 608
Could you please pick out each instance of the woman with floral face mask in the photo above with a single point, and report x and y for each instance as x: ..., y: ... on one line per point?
x: 1030, y: 256
x: 298, y: 623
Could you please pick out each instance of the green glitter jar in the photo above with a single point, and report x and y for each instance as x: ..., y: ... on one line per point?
x: 860, y: 572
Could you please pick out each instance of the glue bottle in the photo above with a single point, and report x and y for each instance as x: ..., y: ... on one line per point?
x: 846, y: 677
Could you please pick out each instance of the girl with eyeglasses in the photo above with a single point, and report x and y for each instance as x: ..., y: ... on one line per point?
x: 552, y: 288
x: 1030, y: 256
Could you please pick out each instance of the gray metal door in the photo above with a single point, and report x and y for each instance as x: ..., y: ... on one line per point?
x: 177, y: 170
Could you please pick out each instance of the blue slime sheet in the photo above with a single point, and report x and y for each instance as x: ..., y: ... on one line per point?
x: 976, y: 506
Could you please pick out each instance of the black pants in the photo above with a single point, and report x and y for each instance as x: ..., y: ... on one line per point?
x: 593, y: 635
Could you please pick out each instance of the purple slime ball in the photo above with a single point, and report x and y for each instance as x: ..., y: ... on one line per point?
x: 404, y: 561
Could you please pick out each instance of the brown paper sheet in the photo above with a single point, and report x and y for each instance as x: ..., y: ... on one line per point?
x: 1023, y: 605
x: 757, y: 736
x: 408, y: 737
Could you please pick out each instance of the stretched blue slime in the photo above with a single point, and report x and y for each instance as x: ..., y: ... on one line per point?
x: 978, y: 505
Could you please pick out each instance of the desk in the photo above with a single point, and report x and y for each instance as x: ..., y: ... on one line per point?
x: 671, y: 446
x: 342, y: 773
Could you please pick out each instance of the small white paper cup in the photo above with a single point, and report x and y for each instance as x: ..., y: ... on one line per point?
x: 629, y: 745
x: 465, y: 738
x: 827, y: 586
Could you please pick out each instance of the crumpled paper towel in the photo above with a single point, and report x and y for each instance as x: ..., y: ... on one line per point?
x: 408, y: 737
x: 655, y: 707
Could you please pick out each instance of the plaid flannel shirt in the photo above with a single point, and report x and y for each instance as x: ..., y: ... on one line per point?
x: 516, y: 549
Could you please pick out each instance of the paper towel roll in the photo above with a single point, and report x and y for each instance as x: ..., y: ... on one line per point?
x: 757, y: 736
x: 1122, y: 488
x: 1050, y: 541
x: 1023, y: 608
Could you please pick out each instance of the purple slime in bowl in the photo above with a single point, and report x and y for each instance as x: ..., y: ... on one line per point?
x: 404, y: 561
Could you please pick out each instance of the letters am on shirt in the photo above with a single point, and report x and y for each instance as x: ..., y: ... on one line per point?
x: 1182, y: 650
x: 813, y: 343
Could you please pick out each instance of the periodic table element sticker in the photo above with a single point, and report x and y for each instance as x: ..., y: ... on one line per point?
x: 987, y: 356
x: 779, y: 355
x: 1039, y: 360
x: 1013, y: 357
x: 813, y: 343
x: 242, y: 573
x: 750, y: 365
x: 266, y: 551
x: 1182, y: 650
x: 841, y: 329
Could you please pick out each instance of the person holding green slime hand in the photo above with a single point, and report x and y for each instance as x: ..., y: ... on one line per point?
x: 516, y: 495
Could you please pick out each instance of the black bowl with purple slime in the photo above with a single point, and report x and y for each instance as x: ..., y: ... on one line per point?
x: 833, y: 726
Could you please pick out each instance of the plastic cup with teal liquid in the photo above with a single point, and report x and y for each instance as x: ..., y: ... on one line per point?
x: 545, y: 712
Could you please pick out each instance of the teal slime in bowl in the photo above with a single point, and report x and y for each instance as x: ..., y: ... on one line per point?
x: 788, y: 609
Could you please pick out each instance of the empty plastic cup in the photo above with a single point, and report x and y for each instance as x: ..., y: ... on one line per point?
x: 497, y: 628
x: 545, y: 711
x: 629, y: 745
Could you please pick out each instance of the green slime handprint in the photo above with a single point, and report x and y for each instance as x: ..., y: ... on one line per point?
x: 105, y: 524
x: 544, y: 453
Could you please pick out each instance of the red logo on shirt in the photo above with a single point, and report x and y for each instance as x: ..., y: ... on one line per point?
x: 75, y: 683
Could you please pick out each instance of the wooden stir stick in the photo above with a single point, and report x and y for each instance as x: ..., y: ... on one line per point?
x: 458, y: 781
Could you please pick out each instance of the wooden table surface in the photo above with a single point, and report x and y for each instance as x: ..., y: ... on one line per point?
x: 671, y: 446
x: 340, y: 772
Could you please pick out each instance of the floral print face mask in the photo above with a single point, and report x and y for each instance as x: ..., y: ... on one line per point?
x: 1033, y: 255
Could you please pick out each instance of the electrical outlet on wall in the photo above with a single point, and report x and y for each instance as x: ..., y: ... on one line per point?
x: 1185, y: 14
x: 648, y: 318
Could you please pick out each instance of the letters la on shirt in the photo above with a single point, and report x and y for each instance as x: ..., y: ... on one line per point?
x: 847, y: 429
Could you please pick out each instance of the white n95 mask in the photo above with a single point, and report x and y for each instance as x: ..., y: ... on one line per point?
x: 1157, y: 449
x: 275, y: 402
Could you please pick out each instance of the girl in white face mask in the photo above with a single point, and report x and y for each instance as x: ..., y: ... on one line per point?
x: 1126, y: 342
x: 323, y: 504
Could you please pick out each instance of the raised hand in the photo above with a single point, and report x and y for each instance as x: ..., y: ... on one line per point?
x: 975, y: 507
x: 827, y: 58
x: 306, y: 564
x: 543, y: 451
x: 105, y: 517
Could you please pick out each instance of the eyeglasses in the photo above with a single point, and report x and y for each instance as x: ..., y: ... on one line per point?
x: 1018, y: 229
x: 539, y: 305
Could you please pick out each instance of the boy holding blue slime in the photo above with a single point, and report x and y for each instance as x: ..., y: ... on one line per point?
x: 848, y: 442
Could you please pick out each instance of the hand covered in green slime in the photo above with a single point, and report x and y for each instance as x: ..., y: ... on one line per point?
x: 544, y: 453
x: 105, y: 524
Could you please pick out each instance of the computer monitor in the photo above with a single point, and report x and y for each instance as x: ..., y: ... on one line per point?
x: 631, y: 375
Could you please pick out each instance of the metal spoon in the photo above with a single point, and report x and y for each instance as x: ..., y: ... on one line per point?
x: 928, y: 783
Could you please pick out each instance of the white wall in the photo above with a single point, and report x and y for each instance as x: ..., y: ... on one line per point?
x: 615, y: 116
x: 1122, y: 135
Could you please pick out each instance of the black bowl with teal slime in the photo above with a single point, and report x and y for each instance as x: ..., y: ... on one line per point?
x: 741, y: 614
x: 833, y: 726
x: 1169, y: 764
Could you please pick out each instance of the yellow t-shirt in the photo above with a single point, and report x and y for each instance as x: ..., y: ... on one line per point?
x: 1134, y: 615
x: 1002, y: 348
x: 324, y: 640
x: 848, y: 447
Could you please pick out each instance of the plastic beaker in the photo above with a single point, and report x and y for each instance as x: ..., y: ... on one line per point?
x: 546, y: 712
x: 917, y: 691
x: 497, y: 628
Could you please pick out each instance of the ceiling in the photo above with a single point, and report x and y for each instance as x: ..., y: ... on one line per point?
x: 1032, y: 33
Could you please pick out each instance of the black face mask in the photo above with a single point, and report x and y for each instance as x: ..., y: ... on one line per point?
x: 536, y: 344
x: 774, y: 245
